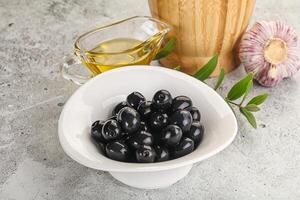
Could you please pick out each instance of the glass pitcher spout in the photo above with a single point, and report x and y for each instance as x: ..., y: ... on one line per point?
x: 154, y: 27
x: 157, y: 31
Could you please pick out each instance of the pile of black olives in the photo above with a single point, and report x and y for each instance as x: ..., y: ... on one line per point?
x: 150, y: 131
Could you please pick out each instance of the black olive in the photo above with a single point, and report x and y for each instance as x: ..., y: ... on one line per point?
x: 171, y: 135
x: 96, y: 131
x: 183, y: 119
x: 101, y: 147
x: 144, y: 126
x: 119, y: 106
x: 131, y: 158
x: 140, y: 138
x: 111, y: 130
x: 117, y: 150
x: 145, y: 109
x: 114, y: 117
x: 145, y: 154
x: 125, y: 136
x: 129, y: 119
x: 99, y: 143
x: 156, y: 136
x: 185, y: 146
x: 158, y: 120
x: 162, y: 153
x: 181, y: 102
x: 162, y: 100
x: 134, y: 99
x: 195, y: 113
x: 196, y: 132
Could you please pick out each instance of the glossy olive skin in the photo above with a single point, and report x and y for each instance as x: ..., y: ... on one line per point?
x: 196, y: 132
x: 185, y: 146
x: 183, y: 119
x: 129, y: 119
x: 101, y: 147
x: 162, y: 153
x: 111, y: 130
x: 195, y: 113
x: 158, y: 121
x: 117, y: 150
x: 125, y: 136
x: 119, y: 106
x: 96, y: 131
x: 145, y: 154
x: 114, y: 117
x: 181, y: 102
x: 162, y: 100
x: 140, y: 138
x: 134, y: 99
x: 144, y: 126
x: 145, y: 109
x: 171, y: 135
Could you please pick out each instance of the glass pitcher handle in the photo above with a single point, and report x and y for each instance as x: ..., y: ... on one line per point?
x: 72, y: 63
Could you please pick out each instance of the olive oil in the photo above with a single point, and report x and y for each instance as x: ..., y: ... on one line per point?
x: 119, y: 52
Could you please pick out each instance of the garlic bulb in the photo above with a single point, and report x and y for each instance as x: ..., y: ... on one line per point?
x: 268, y: 50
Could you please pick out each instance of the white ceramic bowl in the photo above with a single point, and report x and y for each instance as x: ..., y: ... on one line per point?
x: 96, y: 98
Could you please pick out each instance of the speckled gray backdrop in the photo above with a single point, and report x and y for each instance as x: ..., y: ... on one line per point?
x: 34, y: 35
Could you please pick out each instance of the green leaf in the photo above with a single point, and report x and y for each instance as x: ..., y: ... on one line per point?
x: 252, y: 108
x: 177, y: 68
x: 240, y: 88
x: 167, y: 49
x: 258, y: 99
x: 220, y: 79
x: 249, y: 87
x: 207, y: 69
x: 249, y: 116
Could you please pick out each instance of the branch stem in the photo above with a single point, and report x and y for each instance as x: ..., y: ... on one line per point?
x: 233, y: 103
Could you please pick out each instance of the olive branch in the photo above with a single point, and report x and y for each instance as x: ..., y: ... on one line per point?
x: 239, y: 91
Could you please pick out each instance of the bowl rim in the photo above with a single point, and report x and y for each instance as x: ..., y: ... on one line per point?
x: 140, y: 167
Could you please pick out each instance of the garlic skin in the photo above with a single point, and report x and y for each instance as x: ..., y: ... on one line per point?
x: 269, y: 51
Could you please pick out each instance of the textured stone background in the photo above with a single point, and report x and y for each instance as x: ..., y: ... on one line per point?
x: 34, y: 35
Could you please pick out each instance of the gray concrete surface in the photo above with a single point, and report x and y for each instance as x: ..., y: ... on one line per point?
x: 34, y: 35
